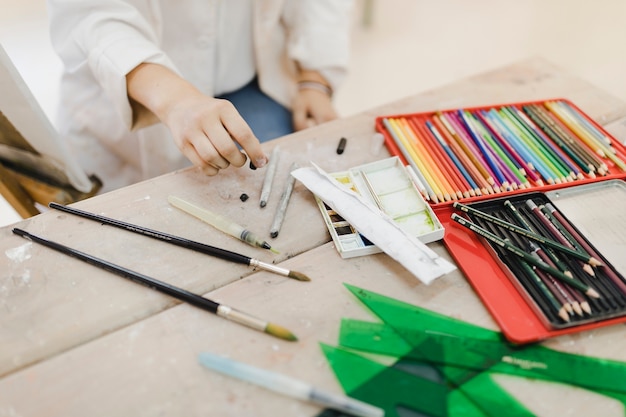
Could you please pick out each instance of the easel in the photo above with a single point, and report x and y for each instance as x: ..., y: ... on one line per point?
x: 35, y: 167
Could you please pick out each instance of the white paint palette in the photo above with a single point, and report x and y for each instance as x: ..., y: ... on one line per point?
x: 387, y: 185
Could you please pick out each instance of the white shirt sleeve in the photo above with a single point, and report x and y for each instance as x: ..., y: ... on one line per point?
x: 319, y: 36
x: 111, y: 37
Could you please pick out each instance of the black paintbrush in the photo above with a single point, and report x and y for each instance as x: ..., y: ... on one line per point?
x: 178, y: 293
x: 185, y: 243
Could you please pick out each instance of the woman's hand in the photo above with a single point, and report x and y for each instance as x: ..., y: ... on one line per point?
x: 312, y: 107
x: 313, y: 104
x: 205, y: 129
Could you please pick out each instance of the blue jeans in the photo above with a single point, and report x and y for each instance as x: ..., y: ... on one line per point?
x: 267, y: 118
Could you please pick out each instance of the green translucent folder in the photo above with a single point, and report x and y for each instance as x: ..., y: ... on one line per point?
x: 444, y: 367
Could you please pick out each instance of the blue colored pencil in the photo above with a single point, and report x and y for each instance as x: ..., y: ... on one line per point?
x: 518, y: 146
x: 487, y: 153
x: 453, y: 157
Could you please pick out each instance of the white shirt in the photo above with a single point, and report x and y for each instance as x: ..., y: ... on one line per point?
x: 100, y: 42
x: 234, y: 50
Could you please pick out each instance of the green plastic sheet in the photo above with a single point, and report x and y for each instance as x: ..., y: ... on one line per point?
x: 442, y: 366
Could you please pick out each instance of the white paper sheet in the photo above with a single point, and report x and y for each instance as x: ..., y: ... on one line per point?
x: 414, y: 255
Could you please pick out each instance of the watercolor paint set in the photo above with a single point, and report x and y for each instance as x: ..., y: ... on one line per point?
x: 388, y: 185
x: 546, y: 151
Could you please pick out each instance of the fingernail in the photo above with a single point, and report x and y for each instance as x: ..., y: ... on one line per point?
x: 261, y: 162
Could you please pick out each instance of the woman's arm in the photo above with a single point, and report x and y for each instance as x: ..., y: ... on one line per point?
x: 205, y: 129
x: 313, y: 103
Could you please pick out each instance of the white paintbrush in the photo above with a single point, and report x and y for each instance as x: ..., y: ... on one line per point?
x: 288, y: 386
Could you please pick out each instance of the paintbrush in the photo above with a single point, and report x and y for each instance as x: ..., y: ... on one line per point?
x: 288, y: 386
x: 179, y: 293
x: 220, y: 223
x: 185, y: 243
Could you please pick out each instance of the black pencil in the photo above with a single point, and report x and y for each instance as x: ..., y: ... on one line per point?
x: 530, y: 235
x: 619, y: 283
x: 548, y: 281
x: 558, y: 235
x: 525, y: 256
x: 528, y: 276
x: 178, y: 293
x: 185, y: 243
x: 558, y: 263
x: 577, y: 301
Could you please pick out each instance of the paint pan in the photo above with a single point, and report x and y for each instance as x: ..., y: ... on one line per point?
x: 386, y: 184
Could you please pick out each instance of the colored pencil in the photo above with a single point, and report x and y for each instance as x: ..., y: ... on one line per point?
x: 508, y: 166
x: 619, y: 283
x: 540, y: 160
x: 549, y: 252
x: 196, y: 300
x: 419, y: 161
x: 525, y: 256
x: 472, y: 187
x: 597, y: 146
x: 531, y: 159
x: 571, y: 151
x: 182, y: 242
x: 588, y: 125
x: 479, y: 151
x: 398, y: 140
x: 481, y: 181
x: 419, y: 142
x: 458, y: 134
x: 536, y: 237
x: 448, y: 169
x: 522, y: 165
x: 556, y: 156
x: 558, y: 235
x: 535, y: 282
x: 570, y: 137
x: 483, y: 148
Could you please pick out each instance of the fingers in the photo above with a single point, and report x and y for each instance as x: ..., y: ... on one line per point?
x: 300, y: 115
x: 190, y: 152
x: 312, y: 108
x: 205, y: 129
x: 241, y: 133
x: 208, y: 132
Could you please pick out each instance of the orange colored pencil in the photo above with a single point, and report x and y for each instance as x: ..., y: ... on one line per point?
x: 485, y: 187
x: 430, y: 165
x: 448, y: 168
x: 466, y: 149
x: 437, y: 192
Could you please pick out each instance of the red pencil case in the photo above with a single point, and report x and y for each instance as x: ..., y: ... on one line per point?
x: 612, y: 171
x: 510, y: 306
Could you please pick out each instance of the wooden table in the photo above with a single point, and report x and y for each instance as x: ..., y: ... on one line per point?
x: 79, y: 341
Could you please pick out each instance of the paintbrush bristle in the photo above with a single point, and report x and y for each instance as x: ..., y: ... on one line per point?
x: 298, y: 275
x: 279, y: 331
